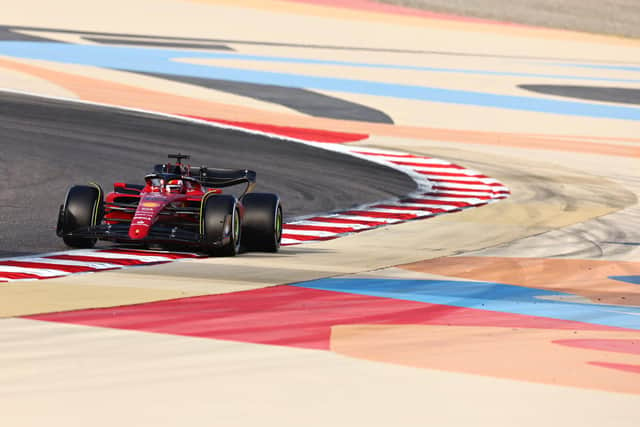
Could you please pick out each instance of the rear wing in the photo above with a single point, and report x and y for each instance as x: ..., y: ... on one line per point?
x: 213, y: 177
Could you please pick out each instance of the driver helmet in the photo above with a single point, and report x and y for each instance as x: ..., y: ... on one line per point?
x: 175, y: 186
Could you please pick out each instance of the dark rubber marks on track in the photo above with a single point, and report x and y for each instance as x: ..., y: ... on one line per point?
x: 10, y: 34
x: 302, y: 100
x: 619, y: 95
x: 157, y: 43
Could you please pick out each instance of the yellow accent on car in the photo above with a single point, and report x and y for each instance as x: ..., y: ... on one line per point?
x: 204, y: 200
x: 94, y: 218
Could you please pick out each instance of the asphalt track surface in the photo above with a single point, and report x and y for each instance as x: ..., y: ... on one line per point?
x: 303, y: 100
x: 49, y: 145
x: 590, y: 93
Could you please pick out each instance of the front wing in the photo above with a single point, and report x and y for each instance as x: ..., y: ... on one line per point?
x: 158, y: 233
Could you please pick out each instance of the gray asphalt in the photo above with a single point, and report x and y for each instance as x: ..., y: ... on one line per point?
x: 155, y: 43
x: 590, y: 93
x: 615, y: 17
x: 302, y: 100
x: 48, y: 145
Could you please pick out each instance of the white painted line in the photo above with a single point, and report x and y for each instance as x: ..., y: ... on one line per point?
x: 422, y: 161
x: 461, y: 193
x: 94, y: 265
x: 331, y: 224
x: 42, y: 272
x: 431, y: 206
x: 379, y: 151
x: 467, y: 179
x: 458, y: 185
x: 402, y: 211
x: 115, y: 255
x: 367, y: 218
x: 430, y: 203
x: 316, y: 233
x: 439, y: 171
x: 470, y: 200
x: 286, y: 241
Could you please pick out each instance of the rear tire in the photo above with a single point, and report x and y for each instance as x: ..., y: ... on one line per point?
x: 83, y: 208
x: 262, y: 222
x: 221, y: 225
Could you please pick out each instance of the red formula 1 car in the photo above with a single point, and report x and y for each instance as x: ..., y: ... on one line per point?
x: 178, y: 206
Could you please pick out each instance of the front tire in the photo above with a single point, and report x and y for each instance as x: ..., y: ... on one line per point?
x: 262, y: 222
x: 221, y: 225
x: 83, y: 208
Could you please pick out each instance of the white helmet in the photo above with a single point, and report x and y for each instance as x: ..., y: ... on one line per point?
x: 175, y: 186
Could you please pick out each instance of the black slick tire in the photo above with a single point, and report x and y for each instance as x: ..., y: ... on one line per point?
x: 262, y: 222
x: 83, y: 208
x: 221, y: 226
